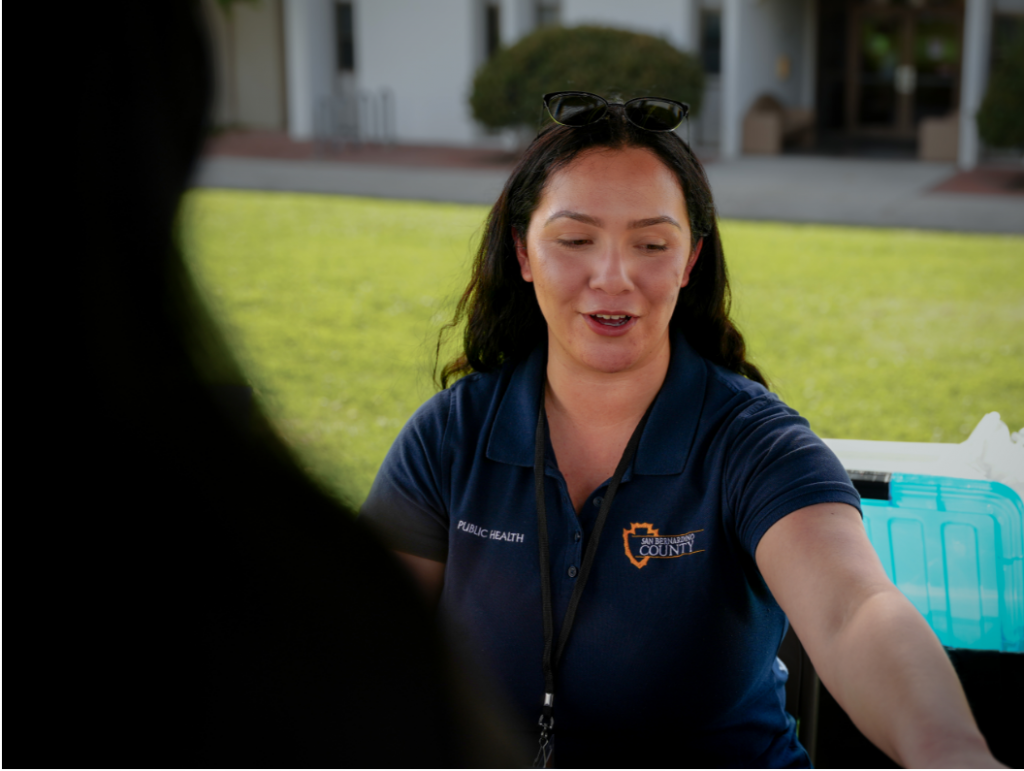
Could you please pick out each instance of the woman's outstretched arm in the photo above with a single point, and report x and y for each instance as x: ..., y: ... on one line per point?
x: 872, y: 649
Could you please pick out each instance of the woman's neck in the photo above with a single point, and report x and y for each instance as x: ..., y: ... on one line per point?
x: 603, y: 400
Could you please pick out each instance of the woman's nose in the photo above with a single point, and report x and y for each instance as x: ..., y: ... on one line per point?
x: 611, y: 272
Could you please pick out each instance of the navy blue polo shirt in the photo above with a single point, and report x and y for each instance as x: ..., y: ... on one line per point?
x: 672, y: 657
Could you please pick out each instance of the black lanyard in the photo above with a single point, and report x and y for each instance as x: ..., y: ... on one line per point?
x: 547, y: 721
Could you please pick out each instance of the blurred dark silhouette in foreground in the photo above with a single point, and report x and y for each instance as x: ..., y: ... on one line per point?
x: 185, y: 595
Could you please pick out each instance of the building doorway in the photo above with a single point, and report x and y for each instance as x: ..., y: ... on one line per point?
x: 884, y: 66
x: 903, y: 64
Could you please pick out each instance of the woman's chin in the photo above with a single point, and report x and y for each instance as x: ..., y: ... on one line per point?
x: 608, y: 355
x: 610, y: 359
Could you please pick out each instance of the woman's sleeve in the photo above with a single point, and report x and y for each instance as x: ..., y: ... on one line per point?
x: 774, y: 466
x: 407, y: 505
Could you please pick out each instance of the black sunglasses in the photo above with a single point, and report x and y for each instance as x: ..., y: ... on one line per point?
x: 578, y: 108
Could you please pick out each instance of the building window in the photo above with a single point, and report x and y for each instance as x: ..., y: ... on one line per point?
x: 492, y: 28
x: 711, y: 41
x: 344, y: 33
x: 546, y: 13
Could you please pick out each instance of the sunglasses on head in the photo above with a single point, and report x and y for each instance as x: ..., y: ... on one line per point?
x: 578, y: 108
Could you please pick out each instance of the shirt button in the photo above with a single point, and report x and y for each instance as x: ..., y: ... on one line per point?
x: 598, y: 501
x: 579, y: 535
x: 572, y: 572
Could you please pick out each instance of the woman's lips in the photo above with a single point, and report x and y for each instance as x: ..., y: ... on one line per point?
x: 610, y: 324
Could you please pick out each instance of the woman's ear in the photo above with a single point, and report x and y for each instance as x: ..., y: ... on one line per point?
x: 522, y: 256
x: 691, y: 262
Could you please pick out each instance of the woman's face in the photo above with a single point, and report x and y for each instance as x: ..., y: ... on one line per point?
x: 607, y: 250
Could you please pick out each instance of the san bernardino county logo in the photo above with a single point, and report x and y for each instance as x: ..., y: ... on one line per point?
x: 643, y: 547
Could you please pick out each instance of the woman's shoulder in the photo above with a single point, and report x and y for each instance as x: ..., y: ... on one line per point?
x: 479, y: 384
x: 477, y: 390
x: 464, y: 404
x: 727, y: 387
x: 737, y: 409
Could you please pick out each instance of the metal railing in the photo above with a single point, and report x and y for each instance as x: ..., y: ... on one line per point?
x: 355, y: 117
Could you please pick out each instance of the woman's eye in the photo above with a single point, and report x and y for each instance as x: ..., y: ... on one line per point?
x: 655, y: 247
x: 573, y: 243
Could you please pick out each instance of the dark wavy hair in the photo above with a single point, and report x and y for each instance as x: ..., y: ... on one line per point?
x: 503, y: 322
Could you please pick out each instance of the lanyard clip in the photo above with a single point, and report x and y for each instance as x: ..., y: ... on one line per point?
x: 547, y: 730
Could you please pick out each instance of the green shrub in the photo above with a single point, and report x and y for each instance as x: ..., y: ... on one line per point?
x: 507, y: 89
x: 1001, y: 117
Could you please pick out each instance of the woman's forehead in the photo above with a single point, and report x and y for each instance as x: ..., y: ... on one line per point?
x: 629, y: 183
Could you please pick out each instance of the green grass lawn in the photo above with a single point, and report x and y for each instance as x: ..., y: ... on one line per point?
x: 333, y: 305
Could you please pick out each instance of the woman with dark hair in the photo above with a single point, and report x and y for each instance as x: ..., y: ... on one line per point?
x: 614, y: 509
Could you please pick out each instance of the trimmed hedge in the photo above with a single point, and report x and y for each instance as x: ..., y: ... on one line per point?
x: 507, y: 89
x: 1001, y: 117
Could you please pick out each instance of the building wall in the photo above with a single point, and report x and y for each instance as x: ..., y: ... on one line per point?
x: 975, y: 61
x: 707, y: 125
x: 426, y: 53
x: 310, y: 61
x: 275, y: 60
x: 260, y: 72
x: 677, y: 21
x: 756, y: 39
x: 248, y: 64
x: 518, y: 19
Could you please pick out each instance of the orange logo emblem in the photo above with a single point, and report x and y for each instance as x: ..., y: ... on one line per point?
x: 641, y: 548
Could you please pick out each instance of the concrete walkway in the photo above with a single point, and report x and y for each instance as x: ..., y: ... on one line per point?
x: 456, y: 185
x: 855, y: 191
x: 849, y: 191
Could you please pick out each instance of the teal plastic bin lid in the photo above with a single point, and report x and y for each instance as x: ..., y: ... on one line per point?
x: 955, y: 548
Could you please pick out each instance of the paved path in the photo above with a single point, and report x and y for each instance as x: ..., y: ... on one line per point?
x: 458, y: 185
x: 851, y: 191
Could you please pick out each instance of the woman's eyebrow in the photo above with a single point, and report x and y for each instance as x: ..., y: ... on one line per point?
x: 575, y: 215
x: 596, y: 222
x: 646, y: 223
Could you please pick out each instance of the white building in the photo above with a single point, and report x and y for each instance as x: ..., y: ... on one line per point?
x: 870, y: 73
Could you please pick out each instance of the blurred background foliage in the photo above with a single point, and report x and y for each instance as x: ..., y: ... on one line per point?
x: 610, y: 62
x: 1001, y: 117
x: 334, y: 304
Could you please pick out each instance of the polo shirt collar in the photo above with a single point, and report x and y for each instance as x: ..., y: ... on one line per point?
x: 668, y: 436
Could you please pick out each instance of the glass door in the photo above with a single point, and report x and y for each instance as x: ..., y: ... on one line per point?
x: 903, y: 64
x: 936, y: 59
x: 881, y: 65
